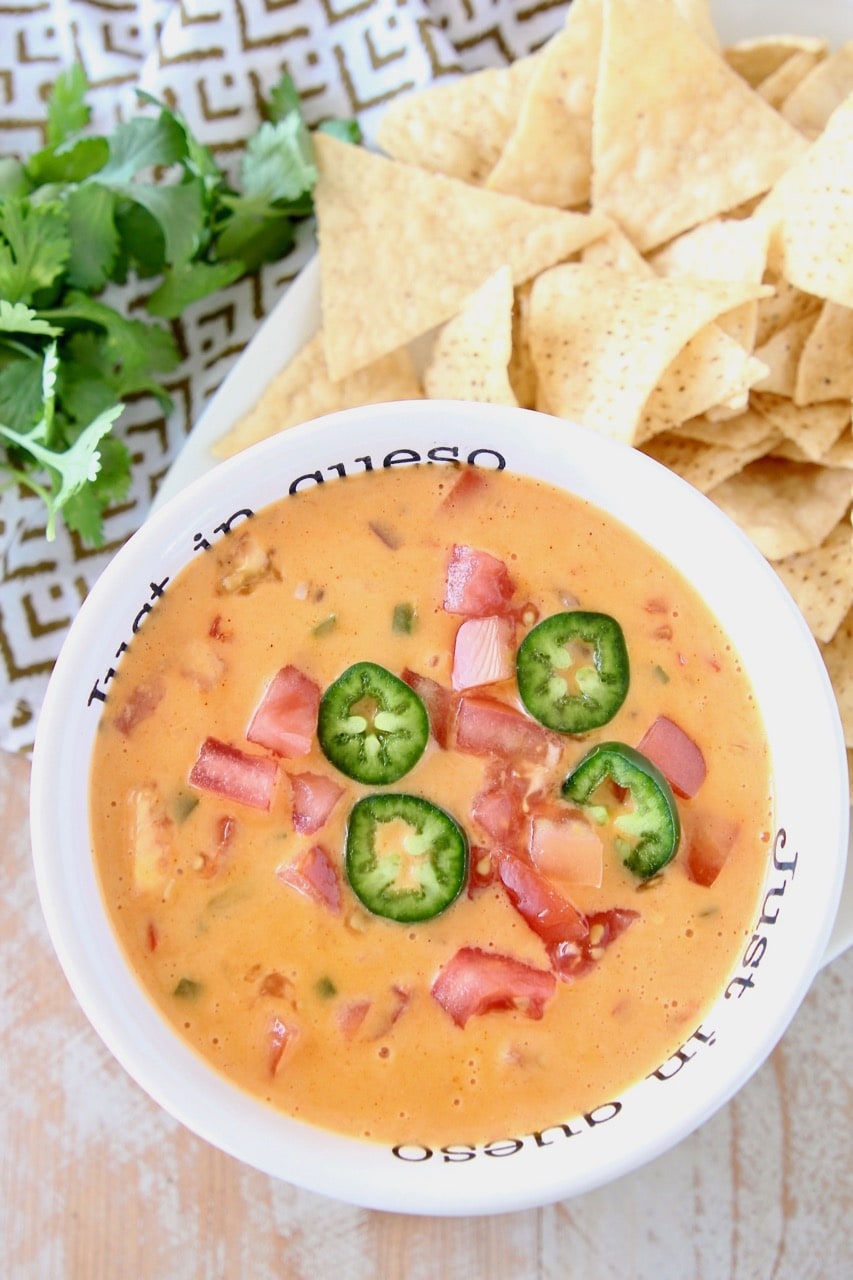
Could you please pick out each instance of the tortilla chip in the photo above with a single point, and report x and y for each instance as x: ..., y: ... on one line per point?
x: 781, y: 308
x: 401, y: 249
x: 781, y: 83
x: 821, y: 581
x: 668, y: 125
x: 615, y: 250
x: 601, y: 340
x: 703, y: 465
x: 781, y: 354
x: 547, y: 157
x: 711, y: 370
x: 303, y: 391
x: 458, y: 128
x: 838, y: 656
x: 742, y: 431
x: 470, y: 355
x: 721, y: 249
x: 810, y: 105
x: 825, y: 371
x: 758, y: 58
x: 815, y: 428
x: 810, y: 213
x: 522, y: 372
x: 785, y: 507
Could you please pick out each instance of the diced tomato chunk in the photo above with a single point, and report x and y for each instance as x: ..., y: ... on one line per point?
x: 477, y: 583
x: 236, y: 775
x: 350, y: 1017
x: 476, y: 981
x: 548, y: 912
x: 439, y: 702
x: 571, y: 961
x: 481, y: 871
x: 708, y: 841
x: 567, y: 848
x: 372, y: 1019
x: 280, y: 1038
x: 470, y: 484
x: 140, y: 703
x: 286, y: 717
x: 487, y: 726
x: 676, y: 755
x: 314, y: 797
x: 483, y: 652
x: 499, y: 808
x: 313, y: 874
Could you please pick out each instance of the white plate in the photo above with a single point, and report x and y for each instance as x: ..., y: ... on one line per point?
x: 297, y: 316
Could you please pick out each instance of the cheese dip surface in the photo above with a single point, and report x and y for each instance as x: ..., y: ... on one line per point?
x: 431, y: 805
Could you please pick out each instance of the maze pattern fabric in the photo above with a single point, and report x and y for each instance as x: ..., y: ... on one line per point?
x: 213, y: 60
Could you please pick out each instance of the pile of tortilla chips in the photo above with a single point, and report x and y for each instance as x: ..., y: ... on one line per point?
x: 634, y: 229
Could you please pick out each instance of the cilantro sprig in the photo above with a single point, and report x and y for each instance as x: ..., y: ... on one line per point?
x: 148, y: 202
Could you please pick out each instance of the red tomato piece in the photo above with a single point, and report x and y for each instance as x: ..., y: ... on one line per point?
x: 483, y: 652
x: 548, y: 912
x: 477, y: 583
x: 481, y: 872
x: 313, y: 874
x: 487, y: 726
x: 141, y: 702
x: 709, y: 840
x: 476, y: 981
x: 571, y: 961
x: 470, y: 484
x: 236, y: 775
x: 676, y: 755
x: 567, y: 848
x: 280, y: 1038
x: 286, y: 717
x: 351, y: 1016
x: 314, y: 797
x: 439, y: 702
x: 498, y: 808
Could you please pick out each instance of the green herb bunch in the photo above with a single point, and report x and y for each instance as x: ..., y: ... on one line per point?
x: 148, y: 202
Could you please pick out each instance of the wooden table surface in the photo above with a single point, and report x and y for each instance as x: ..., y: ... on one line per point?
x: 96, y: 1183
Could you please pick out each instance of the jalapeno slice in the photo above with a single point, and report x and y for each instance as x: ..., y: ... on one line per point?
x: 371, y: 725
x: 573, y: 671
x: 639, y: 804
x: 406, y: 859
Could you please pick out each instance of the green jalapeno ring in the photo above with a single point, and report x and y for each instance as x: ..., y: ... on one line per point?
x: 653, y: 827
x: 431, y: 852
x: 544, y: 659
x: 371, y: 725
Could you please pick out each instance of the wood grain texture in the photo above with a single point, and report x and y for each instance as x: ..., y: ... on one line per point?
x: 97, y: 1183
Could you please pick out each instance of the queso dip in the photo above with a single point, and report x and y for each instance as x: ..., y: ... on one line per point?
x: 426, y: 918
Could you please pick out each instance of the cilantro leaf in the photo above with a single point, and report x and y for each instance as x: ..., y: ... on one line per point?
x: 20, y: 393
x: 278, y: 162
x: 16, y: 317
x: 344, y: 130
x: 283, y: 99
x: 93, y: 234
x: 143, y: 143
x: 34, y: 247
x: 179, y: 210
x: 67, y: 112
x: 189, y: 282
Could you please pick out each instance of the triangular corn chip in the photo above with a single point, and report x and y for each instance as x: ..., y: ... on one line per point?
x: 825, y: 371
x: 810, y: 213
x: 757, y: 58
x: 785, y: 507
x: 781, y: 354
x: 601, y: 340
x: 838, y: 656
x: 810, y: 105
x: 460, y: 127
x: 821, y: 581
x: 815, y: 427
x: 303, y: 391
x: 703, y: 465
x: 678, y: 136
x: 547, y: 157
x: 401, y: 249
x: 470, y: 355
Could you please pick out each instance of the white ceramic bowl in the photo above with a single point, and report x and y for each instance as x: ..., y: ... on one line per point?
x: 804, y: 876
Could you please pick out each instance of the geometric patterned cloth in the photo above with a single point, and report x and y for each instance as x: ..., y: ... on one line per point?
x: 212, y: 60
